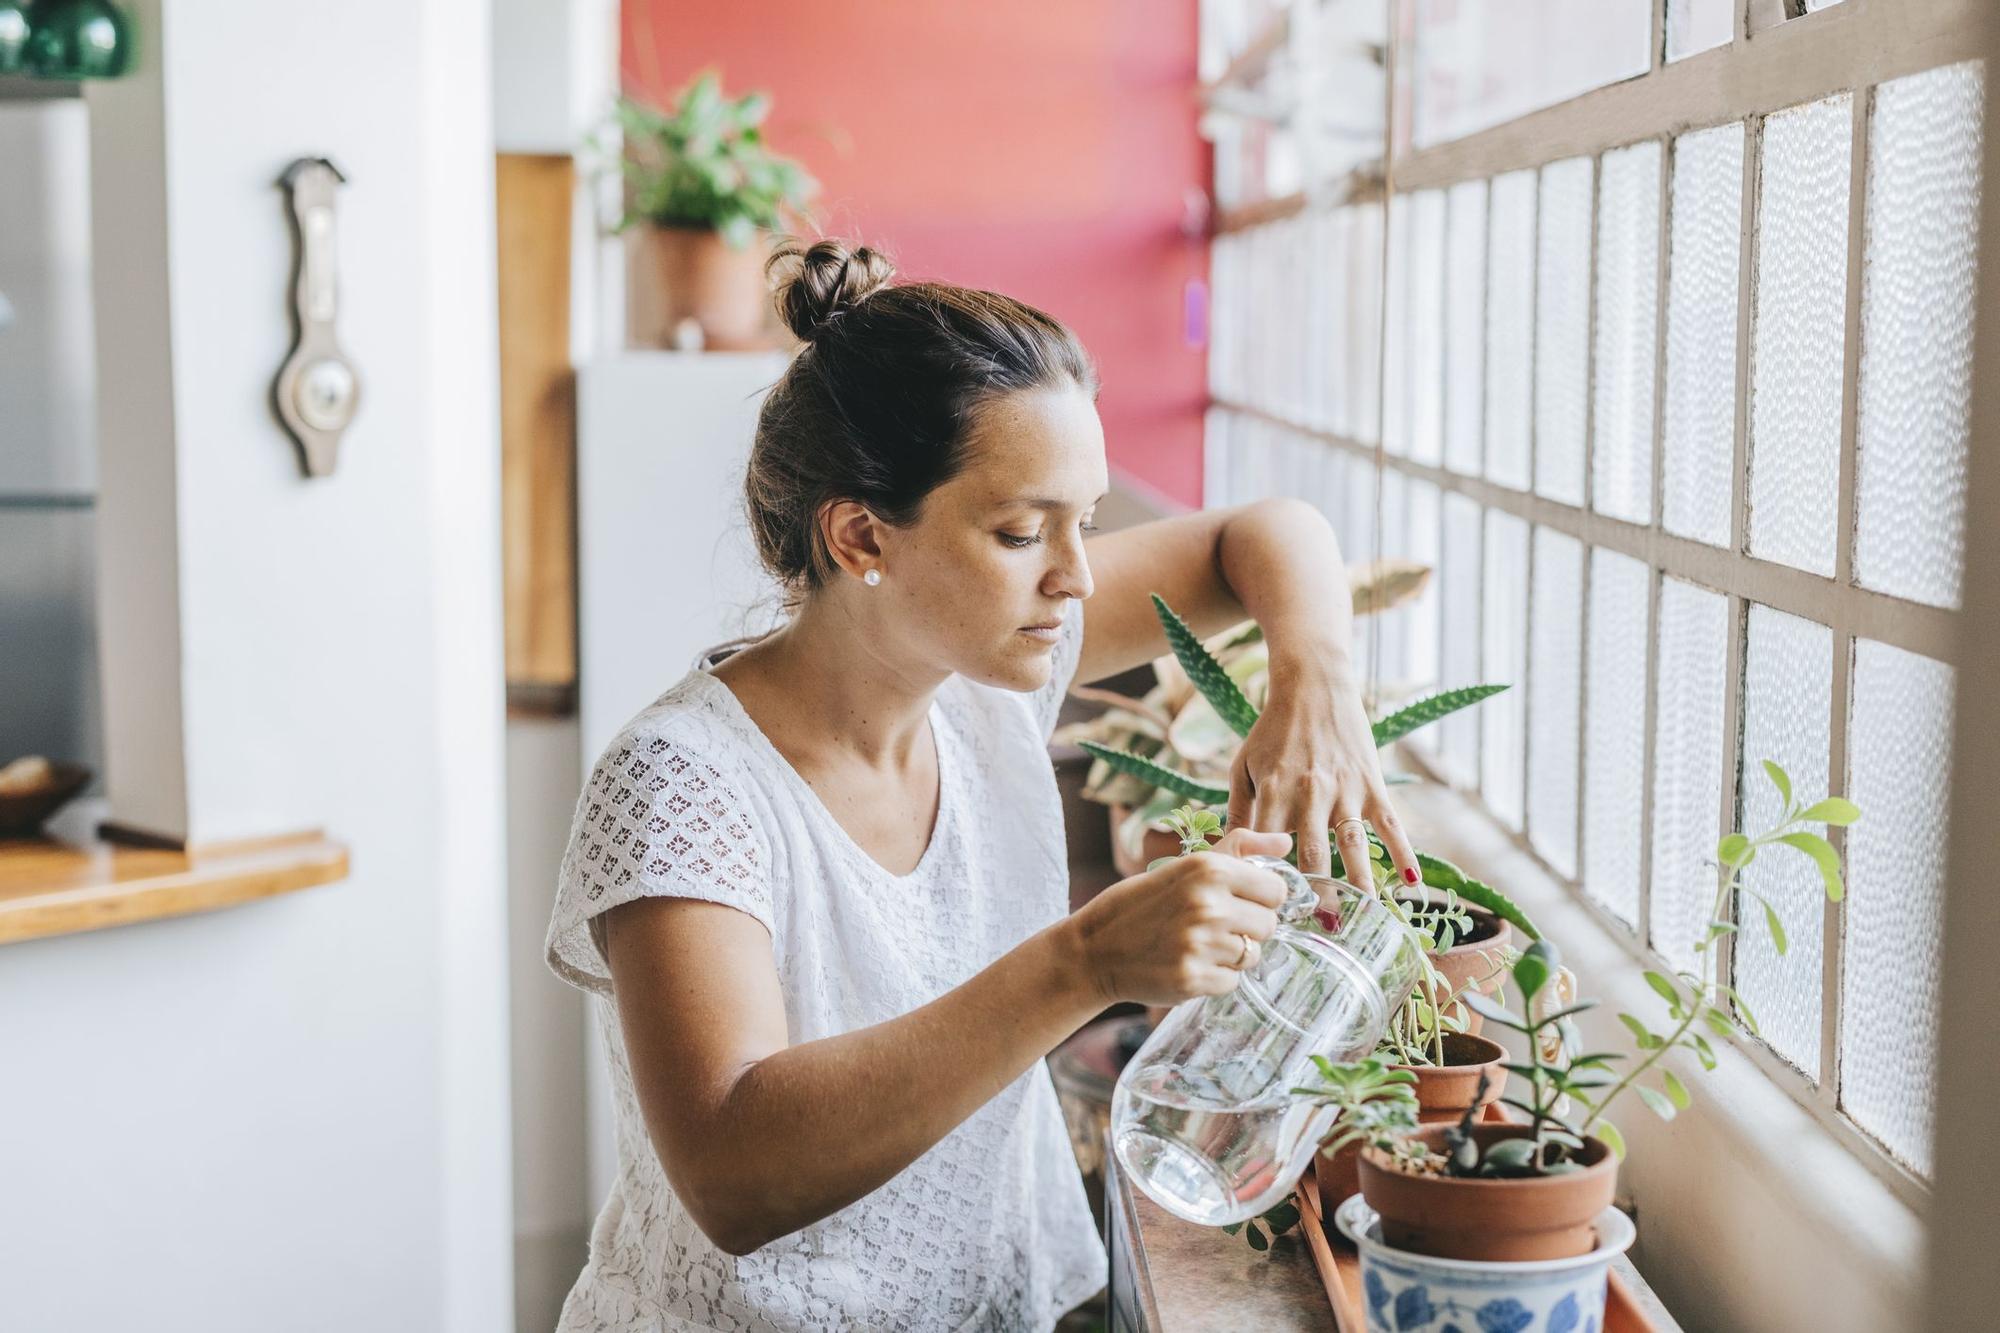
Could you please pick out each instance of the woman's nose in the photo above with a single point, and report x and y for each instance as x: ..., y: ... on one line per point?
x: 1071, y: 575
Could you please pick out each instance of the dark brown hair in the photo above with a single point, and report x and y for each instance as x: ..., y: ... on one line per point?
x: 877, y: 406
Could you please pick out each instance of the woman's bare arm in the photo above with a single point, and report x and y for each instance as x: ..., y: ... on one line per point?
x: 1276, y: 560
x: 760, y: 1138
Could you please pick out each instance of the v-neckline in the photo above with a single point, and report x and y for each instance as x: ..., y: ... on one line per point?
x: 933, y: 848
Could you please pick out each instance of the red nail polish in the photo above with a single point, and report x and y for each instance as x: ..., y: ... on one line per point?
x: 1409, y: 874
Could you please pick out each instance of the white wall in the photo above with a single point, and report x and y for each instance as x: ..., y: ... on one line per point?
x: 552, y: 1203
x: 555, y: 71
x: 293, y: 1114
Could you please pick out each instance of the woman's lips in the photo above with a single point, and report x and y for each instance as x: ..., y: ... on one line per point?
x: 1043, y: 633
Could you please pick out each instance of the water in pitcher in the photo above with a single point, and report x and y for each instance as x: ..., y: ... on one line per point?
x: 1216, y: 1146
x: 1204, y: 1120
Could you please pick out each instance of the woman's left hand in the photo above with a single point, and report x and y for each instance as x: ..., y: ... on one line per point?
x: 1309, y: 764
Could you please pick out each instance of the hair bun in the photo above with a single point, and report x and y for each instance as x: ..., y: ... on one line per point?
x: 817, y: 283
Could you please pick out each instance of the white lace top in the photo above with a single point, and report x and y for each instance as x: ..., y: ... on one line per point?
x: 987, y: 1230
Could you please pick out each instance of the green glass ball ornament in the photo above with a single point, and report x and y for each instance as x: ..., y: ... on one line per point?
x: 79, y: 39
x: 14, y: 28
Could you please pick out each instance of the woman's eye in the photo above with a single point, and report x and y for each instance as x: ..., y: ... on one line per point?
x: 1017, y: 542
x: 1089, y: 525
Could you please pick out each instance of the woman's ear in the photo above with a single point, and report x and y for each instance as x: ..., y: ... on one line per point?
x: 852, y: 536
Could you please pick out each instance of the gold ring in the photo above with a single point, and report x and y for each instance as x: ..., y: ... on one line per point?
x: 1361, y: 824
x: 1242, y: 955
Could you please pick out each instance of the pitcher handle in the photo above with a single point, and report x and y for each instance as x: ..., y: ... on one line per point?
x: 1300, y: 897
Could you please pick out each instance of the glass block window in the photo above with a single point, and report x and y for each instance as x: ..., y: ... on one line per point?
x: 1614, y: 732
x: 1627, y: 337
x: 1679, y: 417
x: 1704, y: 252
x: 1510, y: 328
x: 1801, y: 305
x: 1916, y: 334
x: 1899, y: 743
x: 1787, y: 680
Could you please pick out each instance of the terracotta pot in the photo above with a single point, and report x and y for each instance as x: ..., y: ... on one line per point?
x: 1537, y: 1217
x: 1157, y: 843
x: 1444, y: 1093
x: 1473, y: 957
x: 692, y: 273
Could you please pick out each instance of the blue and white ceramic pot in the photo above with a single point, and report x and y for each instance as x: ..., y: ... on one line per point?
x: 1405, y: 1292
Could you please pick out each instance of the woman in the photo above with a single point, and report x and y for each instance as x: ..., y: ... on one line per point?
x: 823, y: 877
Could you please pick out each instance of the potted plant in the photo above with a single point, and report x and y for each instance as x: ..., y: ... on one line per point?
x: 1513, y: 1221
x: 709, y: 192
x: 1433, y: 1037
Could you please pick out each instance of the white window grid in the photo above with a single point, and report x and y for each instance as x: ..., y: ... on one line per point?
x: 1546, y: 537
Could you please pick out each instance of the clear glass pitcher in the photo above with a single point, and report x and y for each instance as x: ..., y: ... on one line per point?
x: 1203, y: 1118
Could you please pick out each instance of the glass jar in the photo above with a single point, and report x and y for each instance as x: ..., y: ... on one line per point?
x: 1204, y: 1119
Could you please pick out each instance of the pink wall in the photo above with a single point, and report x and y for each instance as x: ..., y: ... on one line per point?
x: 1043, y: 148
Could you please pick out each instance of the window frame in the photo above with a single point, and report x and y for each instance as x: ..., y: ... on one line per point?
x: 1772, y: 65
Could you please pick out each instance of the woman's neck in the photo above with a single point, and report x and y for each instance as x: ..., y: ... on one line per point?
x: 822, y: 681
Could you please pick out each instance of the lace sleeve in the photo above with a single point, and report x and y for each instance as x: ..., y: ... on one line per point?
x: 657, y: 818
x: 1048, y: 700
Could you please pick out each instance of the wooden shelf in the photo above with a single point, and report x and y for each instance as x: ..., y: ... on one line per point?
x: 50, y: 888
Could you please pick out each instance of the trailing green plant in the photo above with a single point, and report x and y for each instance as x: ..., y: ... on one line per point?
x: 704, y: 164
x: 1701, y: 997
x: 1375, y: 1104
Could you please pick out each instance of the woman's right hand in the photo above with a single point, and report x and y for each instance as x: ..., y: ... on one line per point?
x: 1173, y: 933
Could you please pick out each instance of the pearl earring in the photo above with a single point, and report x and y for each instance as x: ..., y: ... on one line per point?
x: 872, y: 578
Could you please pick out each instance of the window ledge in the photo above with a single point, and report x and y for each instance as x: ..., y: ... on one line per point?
x: 1753, y: 1213
x: 51, y: 888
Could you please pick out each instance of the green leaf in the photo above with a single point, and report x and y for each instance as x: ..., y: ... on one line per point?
x: 1833, y: 810
x: 1655, y: 1102
x: 1743, y: 1008
x: 1664, y: 988
x: 1781, y: 780
x: 1702, y: 1050
x: 1180, y: 784
x: 1721, y: 1024
x: 1613, y: 1140
x: 1775, y: 926
x: 1205, y: 672
x: 1530, y: 974
x: 1439, y: 873
x: 1510, y: 1155
x: 1823, y: 855
x: 1429, y: 709
x: 1730, y: 850
x: 1258, y: 1241
x: 1676, y: 1090
x: 1641, y: 1033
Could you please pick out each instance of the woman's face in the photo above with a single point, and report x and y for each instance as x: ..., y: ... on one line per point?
x: 996, y: 555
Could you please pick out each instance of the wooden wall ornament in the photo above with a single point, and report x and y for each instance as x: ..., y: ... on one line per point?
x: 317, y: 389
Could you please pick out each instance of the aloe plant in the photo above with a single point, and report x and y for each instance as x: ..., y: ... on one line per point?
x: 1220, y: 690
